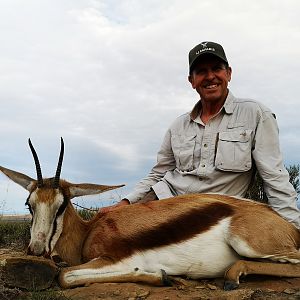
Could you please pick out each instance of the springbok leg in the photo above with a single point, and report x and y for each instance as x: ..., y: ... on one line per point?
x: 94, y: 271
x: 243, y: 267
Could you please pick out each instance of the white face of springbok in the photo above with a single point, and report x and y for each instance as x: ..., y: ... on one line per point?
x: 47, y: 207
x: 47, y: 203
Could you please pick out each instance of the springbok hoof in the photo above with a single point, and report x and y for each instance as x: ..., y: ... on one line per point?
x: 166, y: 281
x: 230, y: 285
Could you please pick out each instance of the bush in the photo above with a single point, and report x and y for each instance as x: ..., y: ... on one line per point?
x: 86, y: 214
x: 256, y: 190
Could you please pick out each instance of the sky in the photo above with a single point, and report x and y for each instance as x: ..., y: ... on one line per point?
x: 110, y: 76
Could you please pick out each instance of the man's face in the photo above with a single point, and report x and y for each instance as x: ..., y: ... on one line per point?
x: 210, y: 79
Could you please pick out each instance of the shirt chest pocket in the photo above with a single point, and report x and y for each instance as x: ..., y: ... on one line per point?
x: 234, y: 151
x: 183, y: 147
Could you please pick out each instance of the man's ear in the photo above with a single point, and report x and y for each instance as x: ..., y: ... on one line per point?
x: 229, y: 72
x: 191, y: 80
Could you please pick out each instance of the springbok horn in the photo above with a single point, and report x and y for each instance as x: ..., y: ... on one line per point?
x: 37, y: 165
x: 59, y: 165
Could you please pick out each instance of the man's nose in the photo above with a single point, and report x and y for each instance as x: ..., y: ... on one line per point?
x: 209, y: 74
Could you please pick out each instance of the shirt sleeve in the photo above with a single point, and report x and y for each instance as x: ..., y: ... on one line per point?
x: 165, y: 163
x: 269, y: 162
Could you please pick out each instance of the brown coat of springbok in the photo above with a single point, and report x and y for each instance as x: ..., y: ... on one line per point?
x: 200, y: 236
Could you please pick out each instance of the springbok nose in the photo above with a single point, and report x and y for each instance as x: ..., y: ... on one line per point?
x: 36, y: 249
x: 31, y: 252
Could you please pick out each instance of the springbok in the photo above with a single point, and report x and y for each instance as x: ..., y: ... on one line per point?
x: 200, y: 235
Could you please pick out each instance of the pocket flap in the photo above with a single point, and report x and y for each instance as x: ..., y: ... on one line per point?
x: 242, y: 136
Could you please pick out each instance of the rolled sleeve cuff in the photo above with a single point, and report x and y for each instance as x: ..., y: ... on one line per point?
x: 162, y: 190
x: 133, y: 198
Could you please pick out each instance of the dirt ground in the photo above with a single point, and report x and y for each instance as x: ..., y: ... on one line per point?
x: 251, y: 287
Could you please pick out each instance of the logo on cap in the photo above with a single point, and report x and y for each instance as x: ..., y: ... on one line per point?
x: 205, y: 48
x: 204, y: 44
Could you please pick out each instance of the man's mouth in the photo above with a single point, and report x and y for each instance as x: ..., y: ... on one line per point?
x: 211, y: 86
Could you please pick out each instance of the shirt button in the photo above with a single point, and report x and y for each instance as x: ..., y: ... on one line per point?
x: 205, y: 145
x: 203, y: 166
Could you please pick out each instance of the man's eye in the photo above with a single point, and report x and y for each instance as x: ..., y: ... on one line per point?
x: 200, y: 71
x: 218, y: 68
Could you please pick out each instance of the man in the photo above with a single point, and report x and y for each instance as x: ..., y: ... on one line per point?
x: 219, y: 145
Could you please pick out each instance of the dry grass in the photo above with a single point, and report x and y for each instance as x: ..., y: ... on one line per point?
x: 14, y: 234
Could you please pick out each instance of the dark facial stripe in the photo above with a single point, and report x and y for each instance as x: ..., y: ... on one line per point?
x: 184, y: 227
x: 59, y: 212
x: 63, y: 206
x: 28, y: 205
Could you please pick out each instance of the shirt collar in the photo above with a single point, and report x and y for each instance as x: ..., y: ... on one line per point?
x: 227, y: 107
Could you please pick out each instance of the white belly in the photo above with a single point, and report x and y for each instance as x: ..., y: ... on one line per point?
x: 206, y: 255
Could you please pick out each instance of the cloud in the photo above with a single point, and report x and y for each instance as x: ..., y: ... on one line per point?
x: 110, y: 77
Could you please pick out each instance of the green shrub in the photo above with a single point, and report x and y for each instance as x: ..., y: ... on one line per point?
x: 86, y: 214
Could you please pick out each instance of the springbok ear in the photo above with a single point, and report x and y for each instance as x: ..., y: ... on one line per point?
x: 84, y: 189
x: 23, y: 180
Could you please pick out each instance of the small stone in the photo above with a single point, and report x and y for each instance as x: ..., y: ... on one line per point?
x: 133, y: 294
x: 180, y: 287
x: 144, y: 294
x: 117, y: 293
x: 289, y: 291
x: 211, y: 287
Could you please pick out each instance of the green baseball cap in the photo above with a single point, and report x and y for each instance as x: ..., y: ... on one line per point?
x: 206, y: 48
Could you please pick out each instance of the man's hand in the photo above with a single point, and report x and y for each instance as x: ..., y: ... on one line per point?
x: 115, y: 206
